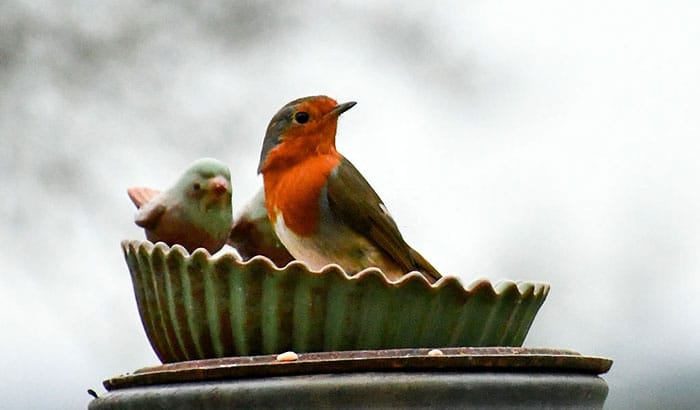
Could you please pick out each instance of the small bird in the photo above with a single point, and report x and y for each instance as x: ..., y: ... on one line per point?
x: 252, y: 234
x: 195, y: 213
x: 323, y: 210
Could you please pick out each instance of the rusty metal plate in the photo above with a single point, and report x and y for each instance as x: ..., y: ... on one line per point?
x: 371, y: 390
x: 461, y: 359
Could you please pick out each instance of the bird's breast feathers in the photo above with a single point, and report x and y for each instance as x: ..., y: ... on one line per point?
x: 295, y: 193
x: 333, y: 243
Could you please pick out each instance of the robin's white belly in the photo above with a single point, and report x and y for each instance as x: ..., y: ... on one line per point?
x: 333, y: 243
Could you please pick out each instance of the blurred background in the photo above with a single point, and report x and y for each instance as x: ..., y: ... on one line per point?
x: 542, y: 140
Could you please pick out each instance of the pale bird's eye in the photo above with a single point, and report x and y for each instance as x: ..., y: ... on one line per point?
x: 301, y: 117
x: 196, y: 186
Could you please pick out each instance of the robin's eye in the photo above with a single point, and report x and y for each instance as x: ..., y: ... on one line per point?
x: 301, y: 117
x: 196, y: 186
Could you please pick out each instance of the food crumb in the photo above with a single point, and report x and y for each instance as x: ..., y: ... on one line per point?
x: 287, y: 357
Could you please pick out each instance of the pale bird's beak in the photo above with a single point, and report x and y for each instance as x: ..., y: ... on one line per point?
x: 218, y: 185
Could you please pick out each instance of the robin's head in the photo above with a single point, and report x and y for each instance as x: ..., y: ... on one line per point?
x: 302, y: 127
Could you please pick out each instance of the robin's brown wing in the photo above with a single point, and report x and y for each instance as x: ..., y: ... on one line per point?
x: 354, y: 201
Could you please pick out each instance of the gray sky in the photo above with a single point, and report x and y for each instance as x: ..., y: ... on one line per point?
x: 540, y: 140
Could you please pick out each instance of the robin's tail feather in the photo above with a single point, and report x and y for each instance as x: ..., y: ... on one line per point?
x: 424, y: 267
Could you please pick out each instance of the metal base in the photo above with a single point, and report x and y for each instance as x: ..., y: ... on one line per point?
x: 371, y: 390
x: 484, y: 378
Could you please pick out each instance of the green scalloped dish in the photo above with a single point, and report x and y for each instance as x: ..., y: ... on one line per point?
x: 200, y: 306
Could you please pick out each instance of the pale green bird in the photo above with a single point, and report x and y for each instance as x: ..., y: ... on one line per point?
x: 195, y: 213
x: 252, y: 233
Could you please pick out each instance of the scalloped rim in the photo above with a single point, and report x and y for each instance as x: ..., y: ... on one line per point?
x: 538, y: 288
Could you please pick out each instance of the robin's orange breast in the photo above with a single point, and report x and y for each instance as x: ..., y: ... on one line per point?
x: 294, y: 192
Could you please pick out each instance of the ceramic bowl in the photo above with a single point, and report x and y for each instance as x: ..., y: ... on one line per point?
x: 198, y: 306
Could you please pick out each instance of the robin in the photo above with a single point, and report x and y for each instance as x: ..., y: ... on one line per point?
x: 322, y: 209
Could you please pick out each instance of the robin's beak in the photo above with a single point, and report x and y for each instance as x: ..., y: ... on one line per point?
x: 341, y: 108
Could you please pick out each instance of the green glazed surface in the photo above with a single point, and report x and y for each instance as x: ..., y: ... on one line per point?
x: 198, y: 306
